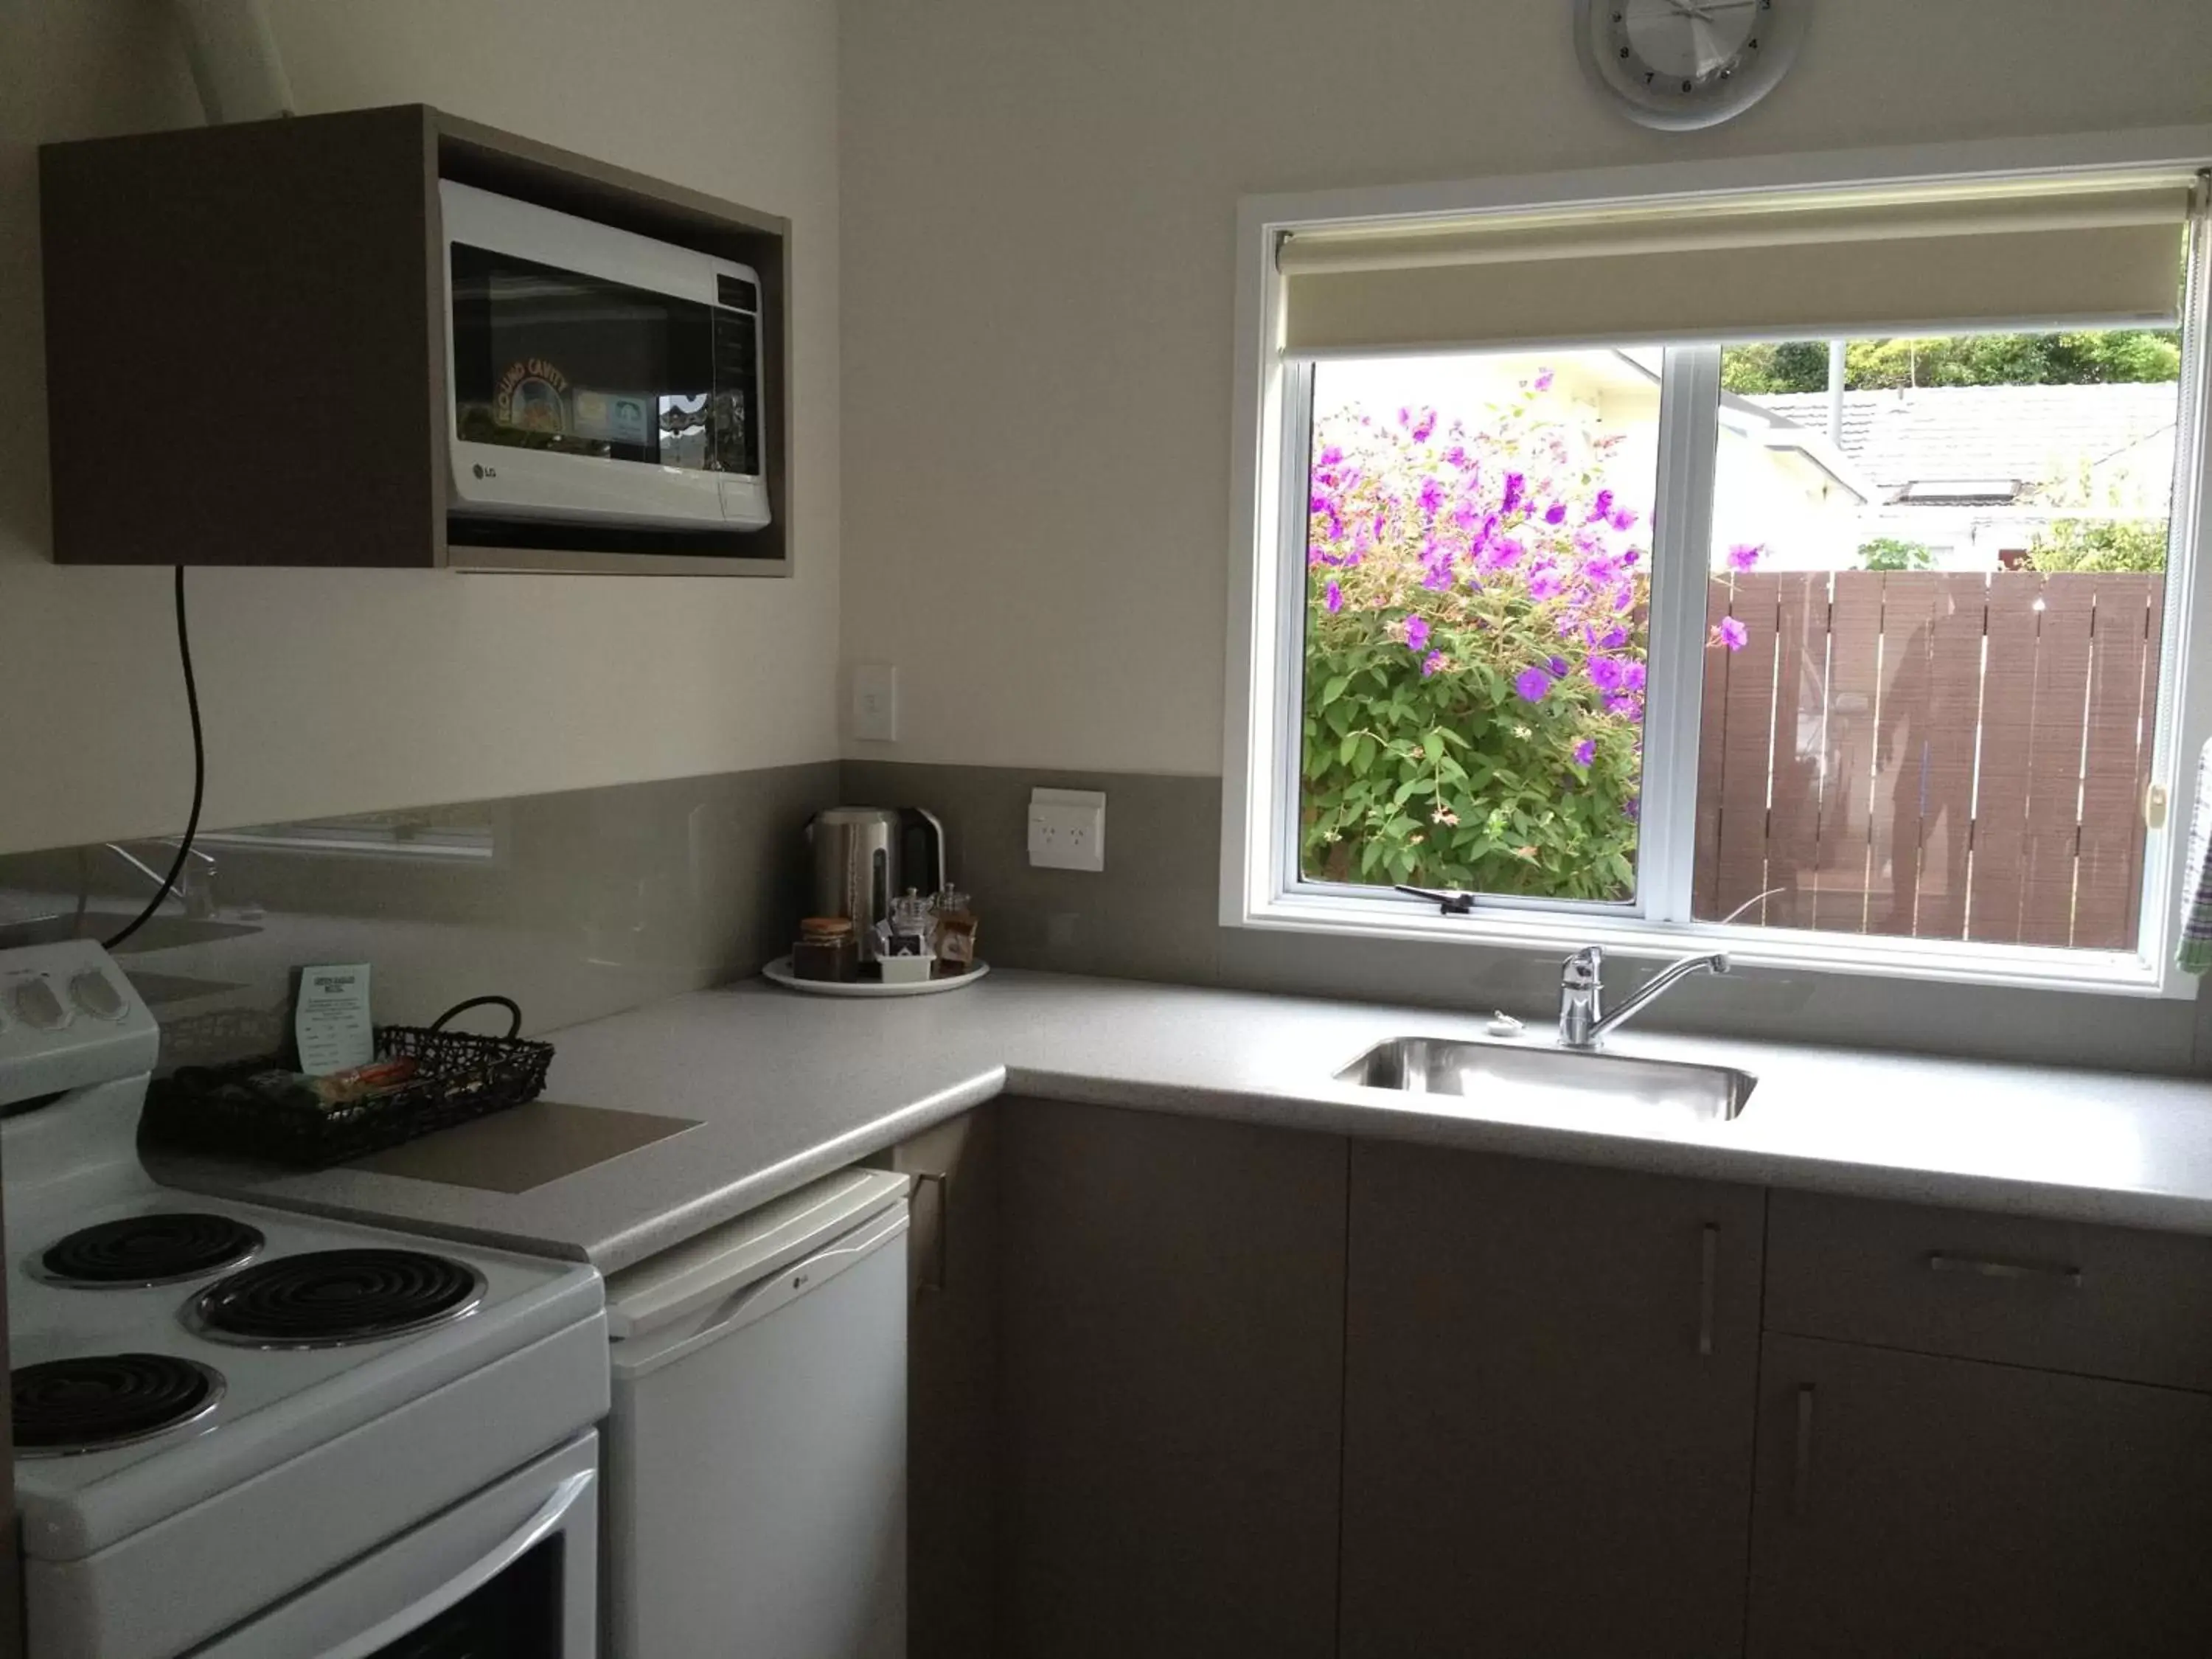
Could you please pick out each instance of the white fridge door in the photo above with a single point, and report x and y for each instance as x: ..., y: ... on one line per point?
x: 756, y: 1469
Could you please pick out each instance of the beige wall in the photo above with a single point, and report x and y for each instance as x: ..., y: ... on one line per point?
x: 1039, y: 200
x: 331, y: 692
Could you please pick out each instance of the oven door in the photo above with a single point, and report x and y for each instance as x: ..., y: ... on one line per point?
x: 511, y: 1573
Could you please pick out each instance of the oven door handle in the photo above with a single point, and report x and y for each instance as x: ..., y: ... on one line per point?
x: 532, y: 1533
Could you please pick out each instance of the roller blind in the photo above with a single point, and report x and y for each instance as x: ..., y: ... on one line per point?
x: 2077, y: 253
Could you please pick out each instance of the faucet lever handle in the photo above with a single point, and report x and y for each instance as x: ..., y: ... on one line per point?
x: 1581, y: 970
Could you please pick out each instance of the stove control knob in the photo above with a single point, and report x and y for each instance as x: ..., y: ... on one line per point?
x: 95, y: 994
x: 39, y: 1007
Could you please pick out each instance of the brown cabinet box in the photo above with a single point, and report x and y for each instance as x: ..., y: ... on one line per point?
x: 245, y: 344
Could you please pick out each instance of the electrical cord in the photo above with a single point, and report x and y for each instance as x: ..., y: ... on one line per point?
x: 199, y: 778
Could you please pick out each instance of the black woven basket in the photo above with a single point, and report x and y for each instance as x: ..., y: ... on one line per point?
x: 458, y: 1077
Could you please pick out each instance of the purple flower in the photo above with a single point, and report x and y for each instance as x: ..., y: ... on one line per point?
x: 1601, y: 507
x: 1433, y: 496
x: 1744, y: 556
x: 1624, y: 704
x: 1543, y: 381
x: 1430, y: 663
x: 1611, y: 640
x: 1605, y: 672
x: 1331, y: 456
x: 1558, y: 667
x: 1546, y: 583
x: 1334, y: 601
x: 1631, y: 808
x: 1556, y: 512
x: 1515, y: 483
x: 1416, y: 634
x: 1585, y: 751
x: 1532, y: 684
x: 1732, y: 634
x: 1624, y: 518
x: 1631, y: 677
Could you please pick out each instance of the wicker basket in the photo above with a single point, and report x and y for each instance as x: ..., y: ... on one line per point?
x: 458, y: 1077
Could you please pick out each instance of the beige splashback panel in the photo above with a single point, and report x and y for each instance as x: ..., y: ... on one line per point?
x: 512, y: 1151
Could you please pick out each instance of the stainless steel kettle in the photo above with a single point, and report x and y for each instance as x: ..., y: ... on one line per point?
x: 866, y: 856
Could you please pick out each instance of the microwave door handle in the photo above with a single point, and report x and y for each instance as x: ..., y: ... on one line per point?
x: 532, y: 1533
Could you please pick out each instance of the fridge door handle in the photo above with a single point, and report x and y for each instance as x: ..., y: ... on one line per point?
x: 458, y: 1589
x: 759, y: 1299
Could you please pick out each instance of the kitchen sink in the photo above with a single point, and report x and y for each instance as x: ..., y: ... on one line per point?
x: 1531, y: 1072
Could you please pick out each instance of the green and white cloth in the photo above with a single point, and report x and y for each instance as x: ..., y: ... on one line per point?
x: 2195, y: 953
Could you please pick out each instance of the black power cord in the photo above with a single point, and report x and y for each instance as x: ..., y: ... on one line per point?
x: 199, y: 778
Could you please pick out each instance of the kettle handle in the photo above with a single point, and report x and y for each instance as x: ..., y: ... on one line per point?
x: 918, y: 825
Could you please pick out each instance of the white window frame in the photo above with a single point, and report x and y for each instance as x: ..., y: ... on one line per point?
x: 1260, y: 886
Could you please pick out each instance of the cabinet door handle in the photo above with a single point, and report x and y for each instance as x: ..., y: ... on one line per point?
x: 1991, y: 1267
x: 943, y: 1182
x: 1801, y: 1478
x: 1708, y: 1258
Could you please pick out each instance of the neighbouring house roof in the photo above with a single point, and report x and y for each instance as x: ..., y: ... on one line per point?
x: 1999, y: 444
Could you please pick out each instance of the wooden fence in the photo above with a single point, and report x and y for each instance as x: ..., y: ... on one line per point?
x: 1931, y: 755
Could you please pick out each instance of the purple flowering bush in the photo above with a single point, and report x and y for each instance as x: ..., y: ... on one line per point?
x: 1475, y: 678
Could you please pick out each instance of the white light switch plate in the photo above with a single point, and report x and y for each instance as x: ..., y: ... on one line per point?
x: 1067, y: 828
x: 875, y: 701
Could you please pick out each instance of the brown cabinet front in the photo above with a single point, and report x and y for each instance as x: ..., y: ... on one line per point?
x: 1910, y: 1504
x: 1549, y: 1375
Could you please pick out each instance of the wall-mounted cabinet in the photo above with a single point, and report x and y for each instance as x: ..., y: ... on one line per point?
x: 247, y: 340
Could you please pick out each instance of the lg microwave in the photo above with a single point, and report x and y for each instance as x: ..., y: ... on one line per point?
x: 596, y: 377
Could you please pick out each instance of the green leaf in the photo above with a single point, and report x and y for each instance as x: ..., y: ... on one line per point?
x: 1335, y: 688
x: 1348, y: 747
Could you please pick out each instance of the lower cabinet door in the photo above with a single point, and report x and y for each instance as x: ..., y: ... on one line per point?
x: 1550, y: 1375
x: 1908, y: 1504
x: 1172, y: 1361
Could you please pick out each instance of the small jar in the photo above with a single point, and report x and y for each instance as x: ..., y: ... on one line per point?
x: 955, y: 931
x: 826, y: 949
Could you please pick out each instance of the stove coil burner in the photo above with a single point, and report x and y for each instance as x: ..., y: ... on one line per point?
x: 148, y: 1249
x: 326, y: 1298
x: 64, y: 1406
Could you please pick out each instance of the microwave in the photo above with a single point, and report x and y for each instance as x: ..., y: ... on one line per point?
x: 596, y: 377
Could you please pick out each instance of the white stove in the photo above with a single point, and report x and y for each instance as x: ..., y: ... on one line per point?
x: 234, y: 1426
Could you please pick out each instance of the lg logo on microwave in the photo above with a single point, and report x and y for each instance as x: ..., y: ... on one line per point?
x: 484, y: 471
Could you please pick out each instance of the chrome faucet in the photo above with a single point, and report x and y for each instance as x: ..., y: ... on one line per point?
x: 195, y: 888
x: 1583, y: 1019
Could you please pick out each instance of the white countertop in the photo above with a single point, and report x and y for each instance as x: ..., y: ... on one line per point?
x: 788, y: 1087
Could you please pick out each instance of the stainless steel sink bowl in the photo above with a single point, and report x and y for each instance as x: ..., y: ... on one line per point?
x: 1535, y: 1070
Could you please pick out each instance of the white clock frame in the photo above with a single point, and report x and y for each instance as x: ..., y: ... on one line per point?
x: 1655, y: 98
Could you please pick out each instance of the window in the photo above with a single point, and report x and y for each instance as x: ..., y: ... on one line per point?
x: 1849, y: 645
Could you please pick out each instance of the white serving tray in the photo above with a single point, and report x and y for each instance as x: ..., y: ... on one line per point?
x: 780, y: 971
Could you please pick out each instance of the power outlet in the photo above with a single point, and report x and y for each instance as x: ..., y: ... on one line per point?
x: 1067, y: 828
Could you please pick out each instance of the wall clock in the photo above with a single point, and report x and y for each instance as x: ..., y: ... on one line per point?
x: 1682, y: 64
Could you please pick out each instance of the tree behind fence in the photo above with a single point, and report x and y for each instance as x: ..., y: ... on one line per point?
x: 1931, y: 754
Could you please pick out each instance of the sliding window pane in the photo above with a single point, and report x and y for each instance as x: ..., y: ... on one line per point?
x: 1934, y: 620
x: 1477, y: 580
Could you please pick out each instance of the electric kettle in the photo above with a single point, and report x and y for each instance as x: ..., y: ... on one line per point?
x: 866, y: 856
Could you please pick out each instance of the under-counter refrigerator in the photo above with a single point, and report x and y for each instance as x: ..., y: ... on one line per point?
x: 756, y: 1455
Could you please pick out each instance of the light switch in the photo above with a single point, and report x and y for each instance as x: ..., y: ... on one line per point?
x: 875, y: 701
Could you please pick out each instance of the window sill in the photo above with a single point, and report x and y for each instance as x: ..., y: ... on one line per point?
x: 1780, y: 949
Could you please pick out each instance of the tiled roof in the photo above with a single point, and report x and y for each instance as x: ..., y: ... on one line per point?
x: 2038, y: 434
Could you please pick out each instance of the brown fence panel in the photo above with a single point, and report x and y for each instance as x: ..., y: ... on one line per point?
x: 1902, y: 721
x: 2054, y: 786
x: 1931, y: 754
x: 1712, y: 746
x: 1954, y: 678
x: 2008, y: 727
x: 1801, y: 689
x: 1840, y: 900
x: 2109, y: 869
x: 1742, y: 873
